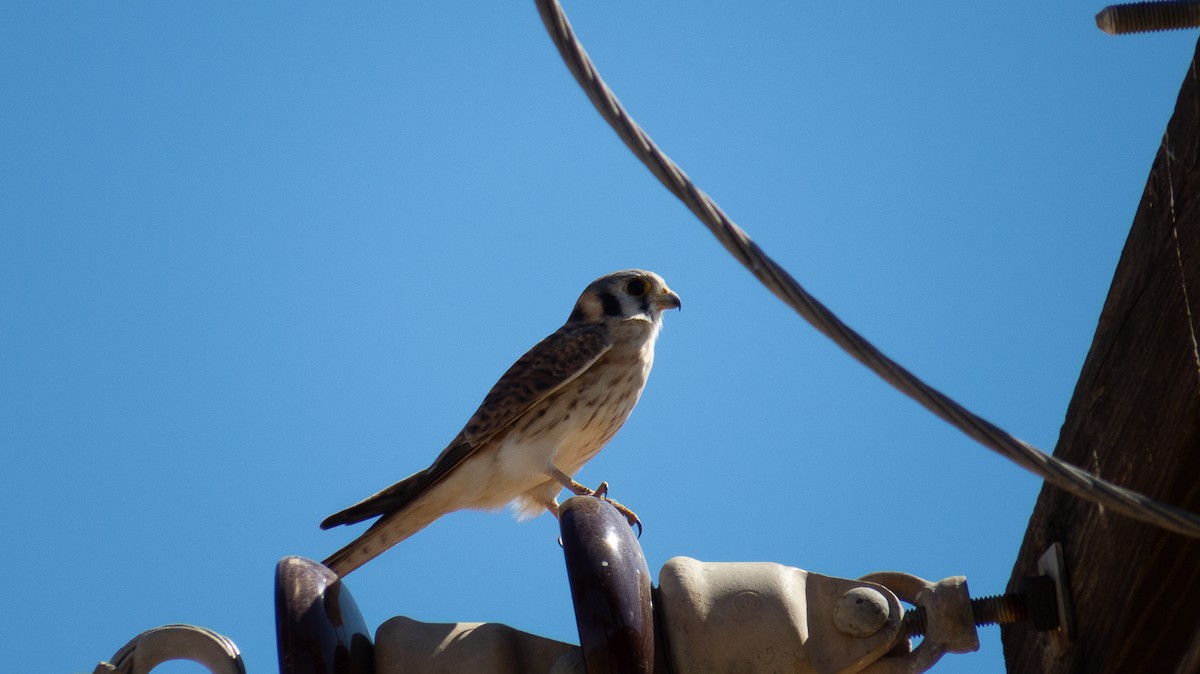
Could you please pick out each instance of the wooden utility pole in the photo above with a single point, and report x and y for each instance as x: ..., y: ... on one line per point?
x: 1135, y: 420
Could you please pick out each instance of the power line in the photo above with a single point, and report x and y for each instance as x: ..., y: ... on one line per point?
x: 1053, y: 470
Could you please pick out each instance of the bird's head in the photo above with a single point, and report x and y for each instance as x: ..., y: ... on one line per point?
x: 629, y: 293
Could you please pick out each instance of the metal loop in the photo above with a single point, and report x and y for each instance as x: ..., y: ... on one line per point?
x: 175, y: 642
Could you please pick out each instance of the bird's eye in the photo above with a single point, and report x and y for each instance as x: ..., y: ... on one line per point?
x: 636, y: 287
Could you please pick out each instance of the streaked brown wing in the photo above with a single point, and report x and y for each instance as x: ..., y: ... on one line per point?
x: 547, y: 367
x: 544, y: 369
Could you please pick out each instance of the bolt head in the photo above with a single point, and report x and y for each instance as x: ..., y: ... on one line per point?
x: 860, y: 612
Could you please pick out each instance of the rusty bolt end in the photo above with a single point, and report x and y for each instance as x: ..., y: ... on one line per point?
x: 1143, y: 17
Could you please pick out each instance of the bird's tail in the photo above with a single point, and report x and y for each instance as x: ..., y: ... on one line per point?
x: 392, y: 499
x: 382, y: 535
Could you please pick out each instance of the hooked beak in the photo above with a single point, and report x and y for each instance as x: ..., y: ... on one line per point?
x: 668, y: 300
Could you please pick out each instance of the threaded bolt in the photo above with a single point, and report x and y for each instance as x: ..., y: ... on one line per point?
x: 999, y: 609
x: 1142, y: 17
x: 914, y: 624
x: 1033, y: 601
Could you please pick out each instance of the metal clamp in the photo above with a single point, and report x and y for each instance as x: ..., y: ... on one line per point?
x: 175, y: 642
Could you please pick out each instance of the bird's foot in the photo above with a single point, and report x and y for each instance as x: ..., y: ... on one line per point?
x: 601, y: 492
x: 629, y: 515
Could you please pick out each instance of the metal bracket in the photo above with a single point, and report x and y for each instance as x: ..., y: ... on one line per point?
x: 175, y: 642
x: 1051, y: 564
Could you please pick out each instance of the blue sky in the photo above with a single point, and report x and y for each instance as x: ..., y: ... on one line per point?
x: 260, y: 260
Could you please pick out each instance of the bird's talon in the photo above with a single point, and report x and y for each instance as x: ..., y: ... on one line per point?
x: 628, y: 514
x: 633, y: 519
x: 601, y: 491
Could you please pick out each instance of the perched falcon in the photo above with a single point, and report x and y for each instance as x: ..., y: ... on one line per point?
x: 553, y: 410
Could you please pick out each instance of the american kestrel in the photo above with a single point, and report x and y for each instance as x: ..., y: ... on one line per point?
x: 553, y: 410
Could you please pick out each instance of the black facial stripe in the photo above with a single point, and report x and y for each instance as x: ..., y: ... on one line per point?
x: 610, y: 304
x: 576, y: 313
x: 645, y: 304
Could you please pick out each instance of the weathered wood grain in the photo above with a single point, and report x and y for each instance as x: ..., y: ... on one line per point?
x: 1134, y: 419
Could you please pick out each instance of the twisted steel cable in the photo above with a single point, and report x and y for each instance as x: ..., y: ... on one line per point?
x: 1055, y: 471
